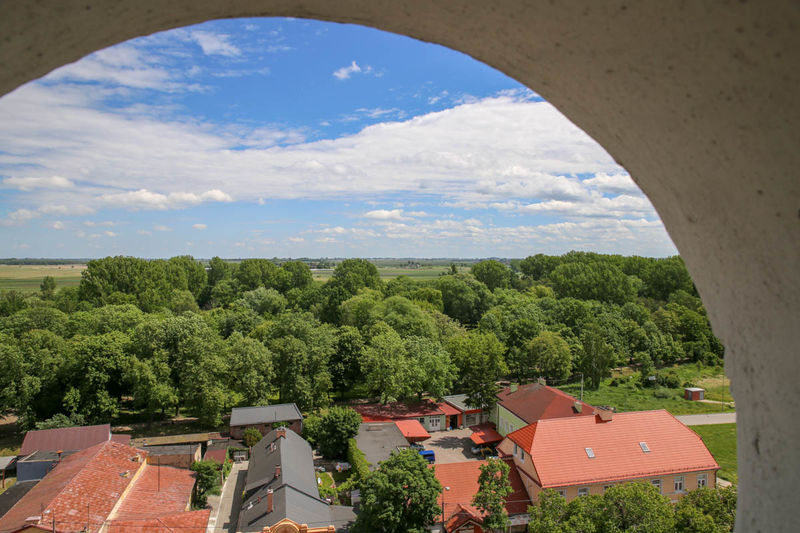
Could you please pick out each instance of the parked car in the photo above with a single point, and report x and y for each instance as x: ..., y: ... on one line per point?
x: 428, y: 455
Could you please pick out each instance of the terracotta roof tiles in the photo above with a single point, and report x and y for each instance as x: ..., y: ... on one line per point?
x: 534, y: 402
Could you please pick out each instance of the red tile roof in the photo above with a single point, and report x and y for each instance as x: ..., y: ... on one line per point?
x: 485, y: 434
x: 219, y: 455
x: 158, y: 491
x: 192, y: 522
x: 462, y: 478
x: 412, y: 430
x: 534, y: 402
x: 65, y: 439
x: 374, y: 412
x: 84, y: 485
x: 448, y: 409
x: 558, y: 448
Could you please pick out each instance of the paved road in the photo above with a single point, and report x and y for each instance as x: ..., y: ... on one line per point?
x: 704, y: 420
x: 225, y: 508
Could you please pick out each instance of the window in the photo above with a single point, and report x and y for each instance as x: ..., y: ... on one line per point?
x: 702, y: 480
x: 644, y: 447
x: 421, y: 420
x: 589, y: 453
x: 678, y: 483
x: 516, y: 449
x: 522, y: 455
x: 656, y: 483
x: 562, y: 493
x: 583, y: 491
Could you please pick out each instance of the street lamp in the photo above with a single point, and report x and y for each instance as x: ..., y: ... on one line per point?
x: 443, y: 516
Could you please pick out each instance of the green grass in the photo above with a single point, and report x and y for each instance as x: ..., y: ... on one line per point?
x: 27, y: 278
x: 629, y: 397
x: 721, y: 442
x: 327, y: 480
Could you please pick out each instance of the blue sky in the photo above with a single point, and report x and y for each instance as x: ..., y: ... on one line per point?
x: 290, y: 138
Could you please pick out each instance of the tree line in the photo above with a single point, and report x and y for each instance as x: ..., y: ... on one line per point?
x: 174, y: 334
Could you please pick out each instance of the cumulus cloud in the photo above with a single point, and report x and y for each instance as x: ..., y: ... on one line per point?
x: 385, y: 214
x: 144, y: 199
x: 28, y: 184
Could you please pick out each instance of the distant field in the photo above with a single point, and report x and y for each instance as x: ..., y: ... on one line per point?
x: 721, y: 442
x: 421, y: 273
x: 27, y: 278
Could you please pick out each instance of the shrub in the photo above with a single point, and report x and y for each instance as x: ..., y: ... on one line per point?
x: 207, y: 480
x: 662, y: 393
x: 251, y: 437
x: 337, y: 426
x: 358, y: 462
x: 670, y: 379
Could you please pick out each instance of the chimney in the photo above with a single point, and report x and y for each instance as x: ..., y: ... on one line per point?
x: 59, y: 452
x: 281, y: 432
x: 269, y: 500
x: 604, y: 415
x: 278, y: 471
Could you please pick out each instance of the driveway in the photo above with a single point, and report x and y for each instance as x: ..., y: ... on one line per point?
x: 704, y: 420
x: 451, y: 446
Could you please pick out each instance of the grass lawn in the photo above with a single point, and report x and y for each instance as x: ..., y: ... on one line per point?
x: 721, y: 442
x: 27, y: 278
x: 9, y: 481
x: 327, y: 480
x: 628, y: 397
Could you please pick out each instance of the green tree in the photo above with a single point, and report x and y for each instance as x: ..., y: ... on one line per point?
x: 592, y: 281
x: 464, y: 298
x: 550, y: 356
x: 429, y: 367
x: 208, y: 480
x: 334, y: 430
x: 345, y: 361
x: 151, y: 384
x: 479, y: 359
x: 637, y: 506
x: 251, y: 374
x: 61, y: 420
x: 596, y: 356
x: 385, y: 364
x: 251, y: 437
x: 493, y: 489
x: 493, y: 274
x: 707, y: 510
x: 354, y: 274
x: 48, y: 288
x: 400, y: 497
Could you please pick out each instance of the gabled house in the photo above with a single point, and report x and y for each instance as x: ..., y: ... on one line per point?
x: 428, y: 413
x: 265, y: 418
x: 281, y: 488
x: 578, y: 456
x: 464, y: 415
x: 520, y: 405
x: 460, y: 483
x: 69, y: 439
x: 108, y: 487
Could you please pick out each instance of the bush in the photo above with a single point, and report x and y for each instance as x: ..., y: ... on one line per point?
x: 662, y: 393
x: 251, y: 437
x: 670, y: 379
x: 207, y: 480
x: 358, y: 462
x: 337, y: 426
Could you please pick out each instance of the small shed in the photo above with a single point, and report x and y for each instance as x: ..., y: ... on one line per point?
x: 179, y: 456
x: 694, y: 393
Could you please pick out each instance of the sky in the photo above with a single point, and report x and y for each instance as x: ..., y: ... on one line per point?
x: 296, y: 138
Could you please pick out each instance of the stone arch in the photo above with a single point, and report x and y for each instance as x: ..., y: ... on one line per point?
x: 698, y: 100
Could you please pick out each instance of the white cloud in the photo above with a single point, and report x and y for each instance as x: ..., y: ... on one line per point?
x: 296, y: 239
x: 144, y: 199
x: 159, y: 227
x: 199, y: 226
x: 57, y: 225
x: 344, y: 73
x: 613, y: 183
x: 143, y: 232
x: 104, y: 223
x: 214, y: 43
x: 28, y: 184
x: 109, y: 234
x: 385, y: 214
x: 19, y: 217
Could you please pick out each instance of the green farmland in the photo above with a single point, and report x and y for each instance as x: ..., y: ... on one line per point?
x: 27, y: 278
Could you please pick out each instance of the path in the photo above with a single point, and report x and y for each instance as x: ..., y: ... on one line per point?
x: 225, y: 508
x: 706, y: 419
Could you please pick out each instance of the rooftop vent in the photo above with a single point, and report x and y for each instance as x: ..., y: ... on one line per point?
x: 645, y: 449
x: 605, y: 415
x: 589, y: 452
x: 125, y: 473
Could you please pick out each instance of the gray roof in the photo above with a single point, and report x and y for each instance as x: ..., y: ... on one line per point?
x: 287, y: 502
x: 14, y: 494
x: 292, y: 454
x: 265, y: 414
x: 46, y: 456
x: 459, y: 401
x: 177, y: 449
x: 6, y: 460
x: 378, y: 440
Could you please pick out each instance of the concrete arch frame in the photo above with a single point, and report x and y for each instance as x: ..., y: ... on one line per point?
x: 698, y: 100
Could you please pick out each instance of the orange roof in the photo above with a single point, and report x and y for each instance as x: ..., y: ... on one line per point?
x: 462, y: 478
x: 412, y: 430
x: 485, y: 434
x: 159, y: 490
x: 535, y: 401
x: 448, y: 409
x: 558, y: 448
x: 373, y: 412
x: 191, y: 522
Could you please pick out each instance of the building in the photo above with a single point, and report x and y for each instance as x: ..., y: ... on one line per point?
x: 467, y: 415
x: 281, y: 488
x: 108, y: 487
x: 377, y: 440
x: 264, y: 418
x: 217, y: 450
x: 460, y: 484
x: 694, y: 393
x: 174, y: 440
x: 577, y: 456
x: 427, y: 413
x: 520, y: 405
x: 38, y: 464
x: 69, y: 439
x: 179, y: 456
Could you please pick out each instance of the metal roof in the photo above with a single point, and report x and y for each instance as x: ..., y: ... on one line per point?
x: 459, y: 401
x: 6, y: 461
x: 265, y: 414
x: 74, y: 438
x: 378, y: 440
x: 291, y: 453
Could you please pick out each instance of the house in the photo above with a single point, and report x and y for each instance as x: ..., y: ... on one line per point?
x: 108, y: 487
x: 427, y: 413
x: 577, y: 456
x: 460, y: 484
x: 466, y: 415
x: 694, y: 393
x: 520, y: 405
x: 38, y: 464
x: 264, y: 418
x: 377, y: 440
x: 69, y: 439
x: 281, y: 488
x: 179, y: 456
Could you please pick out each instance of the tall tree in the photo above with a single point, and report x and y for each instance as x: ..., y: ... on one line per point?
x: 48, y: 287
x: 492, y: 273
x: 385, y: 364
x: 493, y: 489
x: 479, y: 358
x: 400, y: 497
x: 550, y: 356
x: 596, y: 356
